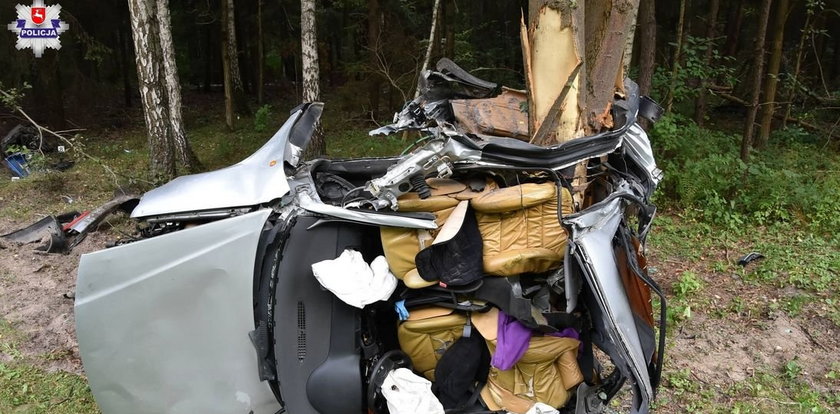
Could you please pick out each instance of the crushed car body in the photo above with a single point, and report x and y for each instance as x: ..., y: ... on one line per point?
x: 461, y: 277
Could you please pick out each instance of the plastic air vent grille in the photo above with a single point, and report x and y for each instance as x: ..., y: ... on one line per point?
x: 301, y: 332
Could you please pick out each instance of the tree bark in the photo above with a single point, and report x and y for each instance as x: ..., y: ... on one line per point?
x: 773, y: 73
x: 311, y: 74
x: 260, y: 54
x: 675, y: 63
x: 733, y: 28
x: 758, y: 74
x: 432, y: 41
x: 711, y: 33
x: 647, y: 44
x: 124, y: 70
x: 800, y: 51
x: 630, y: 40
x: 172, y: 88
x: 374, y: 81
x: 148, y: 56
x: 230, y: 60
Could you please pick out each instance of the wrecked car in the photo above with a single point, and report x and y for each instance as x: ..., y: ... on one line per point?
x: 460, y: 277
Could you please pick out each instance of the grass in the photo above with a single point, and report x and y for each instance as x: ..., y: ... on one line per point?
x: 25, y: 388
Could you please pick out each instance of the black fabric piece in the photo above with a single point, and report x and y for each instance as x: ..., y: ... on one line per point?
x: 457, y: 261
x: 466, y: 362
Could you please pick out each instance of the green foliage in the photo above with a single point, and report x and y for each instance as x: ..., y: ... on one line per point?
x: 792, y: 181
x: 261, y: 118
x: 694, y: 67
x: 689, y: 283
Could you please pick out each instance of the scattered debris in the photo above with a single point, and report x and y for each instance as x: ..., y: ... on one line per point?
x: 60, y: 234
x: 749, y: 258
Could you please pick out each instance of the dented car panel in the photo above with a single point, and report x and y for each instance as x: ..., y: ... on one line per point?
x: 169, y: 332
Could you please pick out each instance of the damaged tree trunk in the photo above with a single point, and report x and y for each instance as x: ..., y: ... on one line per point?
x: 758, y: 74
x: 560, y: 38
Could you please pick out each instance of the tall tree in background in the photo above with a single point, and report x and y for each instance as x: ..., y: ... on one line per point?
x: 235, y: 101
x: 159, y: 88
x: 647, y: 44
x: 773, y: 72
x: 311, y: 73
x: 711, y: 33
x: 757, y: 75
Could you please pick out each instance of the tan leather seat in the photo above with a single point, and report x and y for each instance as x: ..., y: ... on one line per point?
x: 427, y: 334
x: 519, y: 226
x: 546, y: 373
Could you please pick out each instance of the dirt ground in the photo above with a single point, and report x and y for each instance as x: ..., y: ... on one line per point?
x: 36, y: 297
x: 734, y: 332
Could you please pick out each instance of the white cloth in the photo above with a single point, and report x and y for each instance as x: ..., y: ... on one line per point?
x: 354, y: 281
x: 407, y: 393
x: 542, y: 408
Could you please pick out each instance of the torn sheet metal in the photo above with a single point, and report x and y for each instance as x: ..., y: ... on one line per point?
x: 592, y: 232
x: 504, y: 115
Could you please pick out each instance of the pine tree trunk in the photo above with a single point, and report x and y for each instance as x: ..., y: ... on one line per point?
x: 773, y: 73
x: 675, y: 63
x: 374, y: 81
x: 800, y: 51
x: 149, y: 71
x: 260, y: 54
x: 311, y: 73
x: 711, y: 33
x: 226, y: 72
x: 647, y: 44
x: 733, y: 28
x: 758, y: 74
x: 240, y: 103
x: 126, y: 77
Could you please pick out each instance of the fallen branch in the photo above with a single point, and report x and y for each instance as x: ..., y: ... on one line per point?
x: 804, y: 124
x: 42, y: 130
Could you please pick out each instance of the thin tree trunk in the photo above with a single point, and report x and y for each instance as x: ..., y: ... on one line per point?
x: 711, y: 33
x: 374, y: 81
x: 172, y: 87
x: 449, y: 49
x: 148, y: 56
x: 240, y: 104
x: 260, y: 54
x: 126, y: 79
x: 675, y: 63
x: 432, y: 41
x: 800, y: 51
x: 311, y: 73
x: 733, y: 28
x: 647, y: 44
x: 758, y: 74
x: 226, y: 64
x: 773, y: 73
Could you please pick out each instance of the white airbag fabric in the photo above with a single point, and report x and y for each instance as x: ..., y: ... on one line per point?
x: 408, y: 393
x: 354, y: 281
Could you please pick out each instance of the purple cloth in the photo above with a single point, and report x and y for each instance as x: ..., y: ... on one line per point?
x: 511, y: 342
x: 566, y: 333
